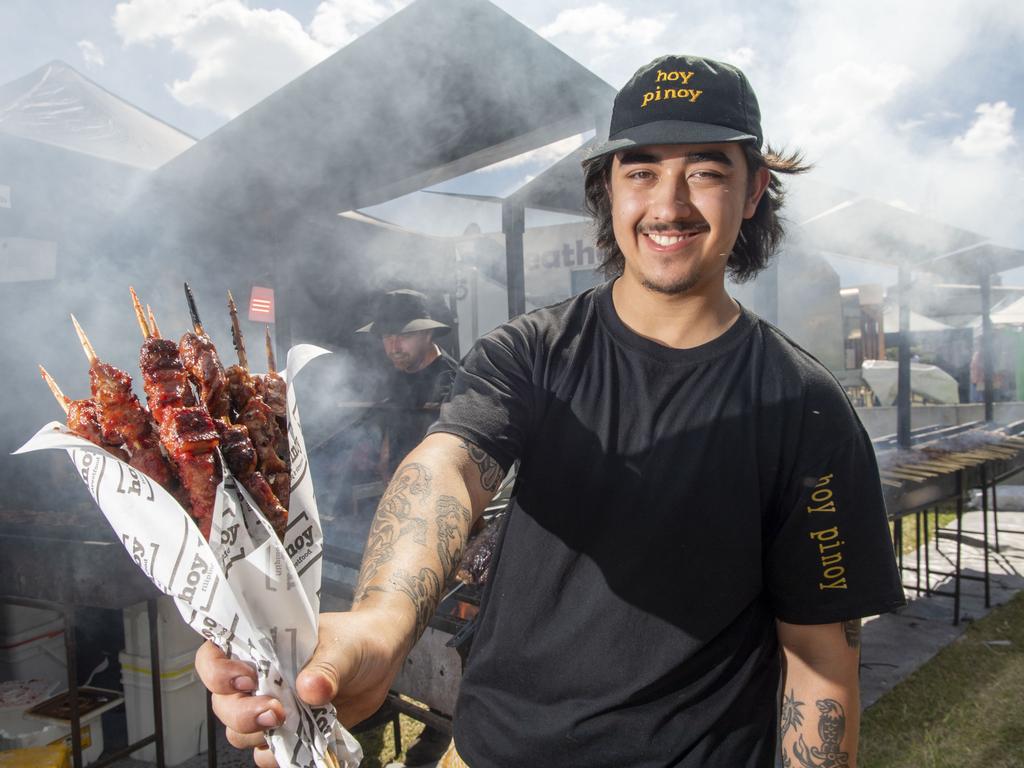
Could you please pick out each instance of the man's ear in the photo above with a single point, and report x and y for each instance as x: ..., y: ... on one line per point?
x: 755, y: 191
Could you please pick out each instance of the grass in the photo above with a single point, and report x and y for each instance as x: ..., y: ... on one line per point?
x: 960, y: 710
x: 946, y: 515
x: 379, y: 744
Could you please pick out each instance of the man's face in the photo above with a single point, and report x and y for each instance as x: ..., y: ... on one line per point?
x: 677, y: 210
x: 408, y: 351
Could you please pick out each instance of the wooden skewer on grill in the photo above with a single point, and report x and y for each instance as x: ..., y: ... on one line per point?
x: 90, y: 353
x: 271, y: 364
x: 62, y: 399
x: 236, y: 333
x: 152, y: 322
x: 140, y: 315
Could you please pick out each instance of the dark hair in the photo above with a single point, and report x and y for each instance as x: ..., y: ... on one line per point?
x: 759, y: 235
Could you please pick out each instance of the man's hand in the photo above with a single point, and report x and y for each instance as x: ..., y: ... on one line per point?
x: 415, y: 545
x: 358, y: 656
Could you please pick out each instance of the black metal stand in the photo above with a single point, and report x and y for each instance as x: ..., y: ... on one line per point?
x: 71, y: 650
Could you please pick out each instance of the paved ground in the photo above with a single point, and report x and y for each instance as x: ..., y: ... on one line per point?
x: 896, y: 644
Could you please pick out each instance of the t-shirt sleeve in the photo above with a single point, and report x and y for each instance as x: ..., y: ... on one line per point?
x: 831, y: 557
x: 491, y: 399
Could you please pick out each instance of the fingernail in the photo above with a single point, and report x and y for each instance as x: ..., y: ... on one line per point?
x: 267, y: 719
x: 243, y: 683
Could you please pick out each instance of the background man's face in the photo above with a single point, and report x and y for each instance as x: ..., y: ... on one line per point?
x: 408, y: 352
x: 677, y: 210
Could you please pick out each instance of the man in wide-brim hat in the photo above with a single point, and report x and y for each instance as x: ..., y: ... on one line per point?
x: 424, y: 376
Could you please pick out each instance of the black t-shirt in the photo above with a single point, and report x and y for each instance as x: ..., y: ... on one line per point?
x: 670, y: 505
x: 405, y: 421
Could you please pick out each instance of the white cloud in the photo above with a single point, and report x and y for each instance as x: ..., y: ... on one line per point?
x: 91, y: 54
x: 240, y: 55
x: 742, y: 57
x: 607, y: 27
x: 990, y: 134
x: 338, y: 22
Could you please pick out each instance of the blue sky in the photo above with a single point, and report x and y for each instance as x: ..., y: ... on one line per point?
x: 914, y: 103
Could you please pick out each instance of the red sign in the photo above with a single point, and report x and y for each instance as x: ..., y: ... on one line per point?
x: 261, y: 305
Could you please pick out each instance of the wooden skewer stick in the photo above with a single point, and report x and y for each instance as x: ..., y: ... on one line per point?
x: 271, y: 363
x: 197, y: 324
x: 140, y: 315
x: 86, y: 346
x: 152, y: 322
x: 236, y: 333
x: 61, y: 397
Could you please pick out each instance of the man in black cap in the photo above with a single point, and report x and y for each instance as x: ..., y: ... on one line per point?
x: 698, y: 522
x: 424, y: 372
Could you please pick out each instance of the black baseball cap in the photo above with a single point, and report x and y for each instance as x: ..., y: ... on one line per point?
x: 683, y: 100
x: 403, y: 311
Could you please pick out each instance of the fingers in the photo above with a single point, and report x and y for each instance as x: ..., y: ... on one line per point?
x: 264, y: 757
x: 245, y: 740
x: 248, y: 714
x: 221, y: 674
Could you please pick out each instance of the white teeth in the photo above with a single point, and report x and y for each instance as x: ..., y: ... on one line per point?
x: 664, y: 239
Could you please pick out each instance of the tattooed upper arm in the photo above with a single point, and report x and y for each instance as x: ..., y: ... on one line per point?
x: 491, y: 473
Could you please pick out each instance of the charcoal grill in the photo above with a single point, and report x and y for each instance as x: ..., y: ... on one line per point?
x: 69, y: 560
x: 942, y: 465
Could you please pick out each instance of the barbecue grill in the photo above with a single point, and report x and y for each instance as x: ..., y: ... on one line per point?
x: 69, y: 560
x: 941, y: 466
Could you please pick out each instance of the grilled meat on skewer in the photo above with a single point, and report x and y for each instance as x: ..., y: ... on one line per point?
x: 123, y: 419
x: 205, y: 369
x: 190, y: 436
x: 164, y: 378
x: 240, y: 456
x: 82, y: 418
x: 187, y: 432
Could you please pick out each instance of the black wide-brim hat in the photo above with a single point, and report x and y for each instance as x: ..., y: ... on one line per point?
x: 403, y: 311
x: 683, y: 100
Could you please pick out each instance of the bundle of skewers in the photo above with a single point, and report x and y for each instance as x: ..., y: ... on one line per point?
x: 948, y: 455
x: 199, y: 415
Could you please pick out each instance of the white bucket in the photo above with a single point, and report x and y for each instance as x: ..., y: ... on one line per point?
x: 182, y: 698
x: 173, y: 635
x: 36, y: 652
x: 18, y: 731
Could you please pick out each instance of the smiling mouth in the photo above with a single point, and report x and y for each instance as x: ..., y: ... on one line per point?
x: 664, y: 239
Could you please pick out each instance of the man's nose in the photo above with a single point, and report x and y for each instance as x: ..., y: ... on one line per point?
x: 670, y: 199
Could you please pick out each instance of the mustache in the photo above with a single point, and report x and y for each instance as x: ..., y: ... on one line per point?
x: 674, y: 226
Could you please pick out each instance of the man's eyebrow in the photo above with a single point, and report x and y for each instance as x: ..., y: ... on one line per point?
x: 706, y: 156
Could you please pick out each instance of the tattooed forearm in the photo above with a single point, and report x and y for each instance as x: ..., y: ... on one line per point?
x: 491, y: 473
x: 452, y: 524
x: 423, y: 590
x: 851, y: 629
x: 393, y: 521
x: 831, y: 729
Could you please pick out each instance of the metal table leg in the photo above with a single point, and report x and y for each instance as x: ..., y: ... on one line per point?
x: 71, y: 651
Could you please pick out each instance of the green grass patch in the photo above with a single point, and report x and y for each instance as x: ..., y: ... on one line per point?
x: 960, y: 710
x: 911, y: 530
x: 379, y: 744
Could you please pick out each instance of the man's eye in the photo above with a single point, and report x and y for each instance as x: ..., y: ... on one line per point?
x: 641, y: 175
x: 705, y: 175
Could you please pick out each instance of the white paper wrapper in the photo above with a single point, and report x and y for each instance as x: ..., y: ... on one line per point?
x: 254, y: 596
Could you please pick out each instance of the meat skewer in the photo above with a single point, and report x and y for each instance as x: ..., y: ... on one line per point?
x: 152, y: 322
x: 274, y: 390
x: 82, y: 417
x: 270, y: 441
x: 204, y: 368
x: 187, y: 432
x: 122, y: 418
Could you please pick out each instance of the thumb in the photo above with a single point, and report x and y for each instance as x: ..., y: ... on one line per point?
x: 333, y: 665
